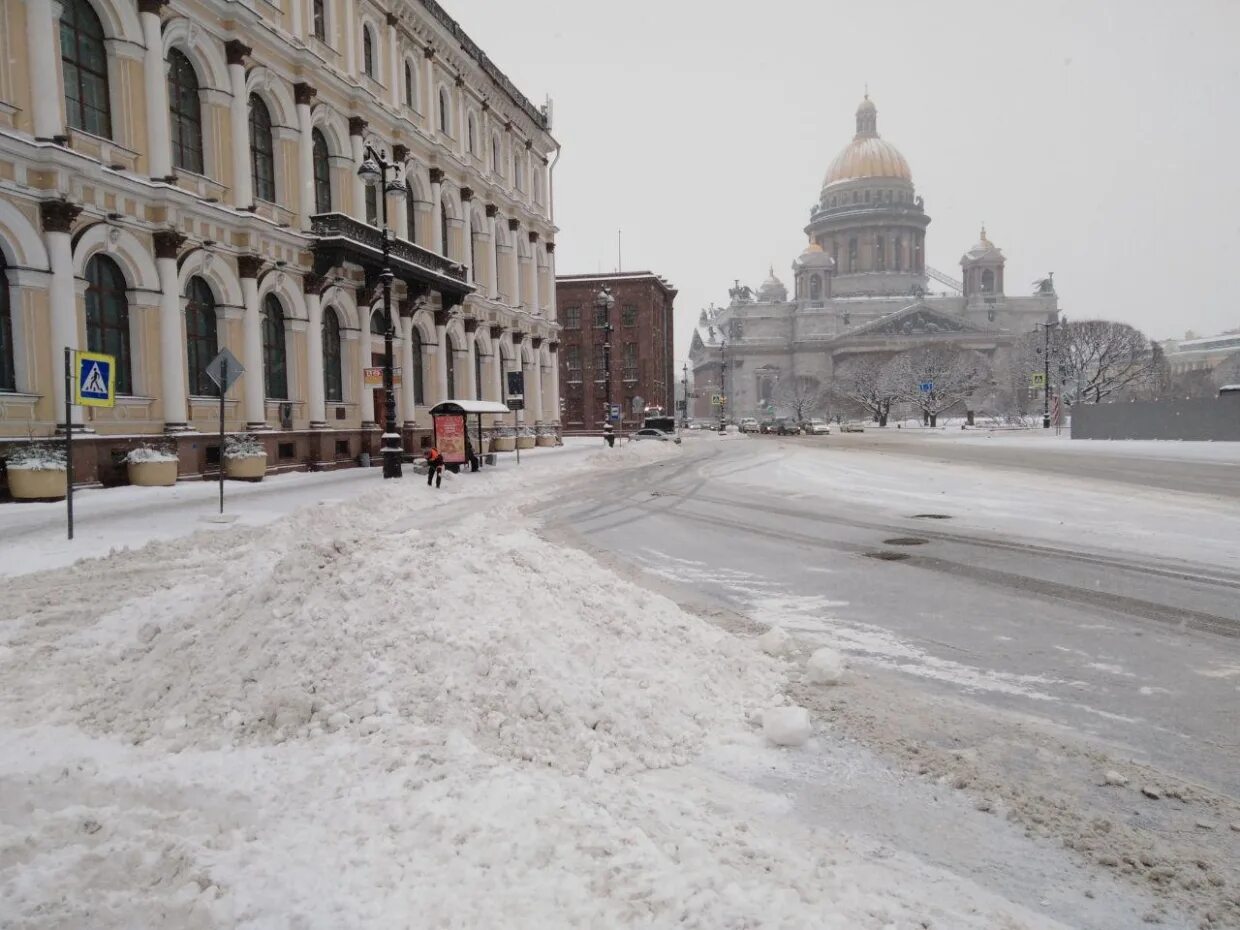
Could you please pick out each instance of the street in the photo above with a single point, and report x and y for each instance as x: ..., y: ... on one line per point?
x: 1039, y: 614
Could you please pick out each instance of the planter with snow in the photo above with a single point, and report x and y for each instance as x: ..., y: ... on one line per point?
x: 37, y: 473
x: 245, y: 459
x: 151, y: 468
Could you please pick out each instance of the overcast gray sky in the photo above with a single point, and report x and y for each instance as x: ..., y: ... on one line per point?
x: 1096, y: 138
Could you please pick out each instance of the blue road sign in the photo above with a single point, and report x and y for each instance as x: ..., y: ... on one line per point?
x: 94, y: 379
x: 926, y: 387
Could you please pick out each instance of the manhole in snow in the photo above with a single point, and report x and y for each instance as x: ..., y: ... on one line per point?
x: 887, y: 556
x: 905, y: 541
x: 931, y: 516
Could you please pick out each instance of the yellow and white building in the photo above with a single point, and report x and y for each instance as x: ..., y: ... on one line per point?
x: 179, y: 177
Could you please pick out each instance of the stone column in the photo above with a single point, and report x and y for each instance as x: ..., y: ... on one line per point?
x: 535, y: 303
x: 533, y: 382
x: 398, y: 207
x: 316, y: 394
x: 552, y: 309
x: 554, y: 394
x: 407, y: 394
x: 518, y: 279
x: 304, y: 94
x: 168, y: 243
x: 350, y: 38
x: 497, y: 364
x: 493, y: 252
x: 255, y: 385
x: 366, y: 395
x: 519, y: 365
x: 471, y: 356
x: 394, y: 70
x: 357, y: 128
x: 467, y: 233
x: 239, y: 120
x: 432, y: 103
x: 443, y: 357
x: 58, y: 217
x: 437, y: 243
x: 155, y: 81
x: 462, y: 135
x: 43, y: 47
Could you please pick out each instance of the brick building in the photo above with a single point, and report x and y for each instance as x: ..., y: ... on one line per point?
x: 642, y: 365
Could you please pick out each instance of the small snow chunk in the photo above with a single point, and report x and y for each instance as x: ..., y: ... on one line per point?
x: 1151, y: 792
x: 1114, y: 778
x: 147, y: 632
x: 825, y: 667
x: 775, y: 642
x: 1204, y: 825
x: 787, y: 726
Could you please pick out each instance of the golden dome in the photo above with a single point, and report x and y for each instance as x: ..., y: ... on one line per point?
x: 867, y: 156
x: 812, y: 247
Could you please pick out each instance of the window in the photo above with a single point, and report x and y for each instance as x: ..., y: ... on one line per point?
x: 368, y: 52
x: 262, y: 151
x: 572, y: 318
x: 411, y: 211
x: 201, y: 339
x: 410, y: 87
x: 85, y: 65
x: 445, y: 124
x: 880, y: 253
x: 495, y: 162
x: 815, y: 287
x: 450, y: 364
x: 852, y: 255
x: 477, y: 374
x: 443, y: 230
x: 601, y: 317
x: 572, y: 362
x: 322, y: 174
x: 333, y: 380
x: 518, y: 173
x: 8, y: 371
x: 416, y: 339
x: 378, y: 325
x: 372, y: 206
x: 600, y: 364
x: 898, y: 258
x: 988, y: 281
x: 630, y: 361
x: 320, y: 20
x: 107, y: 317
x: 628, y: 315
x: 471, y: 125
x: 275, y: 352
x: 186, y: 113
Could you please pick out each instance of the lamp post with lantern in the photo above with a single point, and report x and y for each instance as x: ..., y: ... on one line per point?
x: 604, y: 301
x: 378, y: 172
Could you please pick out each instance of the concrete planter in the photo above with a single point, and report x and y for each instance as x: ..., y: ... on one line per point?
x: 525, y: 442
x: 38, y: 484
x: 503, y: 444
x: 153, y: 474
x: 546, y: 440
x: 251, y: 468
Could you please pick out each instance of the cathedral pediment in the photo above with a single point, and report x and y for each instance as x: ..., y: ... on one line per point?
x: 917, y: 320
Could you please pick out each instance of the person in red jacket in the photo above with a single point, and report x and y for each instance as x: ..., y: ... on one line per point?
x: 434, y: 466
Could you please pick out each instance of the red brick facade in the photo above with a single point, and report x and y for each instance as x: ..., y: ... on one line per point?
x: 641, y: 347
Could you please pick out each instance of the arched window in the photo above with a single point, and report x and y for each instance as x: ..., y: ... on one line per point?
x: 201, y: 339
x: 85, y: 65
x: 880, y: 253
x: 378, y: 323
x: 368, y: 52
x: 416, y: 338
x: 451, y: 366
x: 445, y: 124
x: 333, y: 379
x: 852, y: 255
x: 988, y: 281
x: 320, y: 20
x: 443, y: 231
x: 411, y: 87
x: 477, y: 374
x: 275, y: 350
x: 471, y: 125
x: 322, y: 174
x: 495, y: 162
x: 372, y: 206
x: 815, y: 287
x: 107, y: 317
x: 518, y: 172
x: 185, y: 110
x: 262, y: 150
x: 8, y: 371
x: 898, y: 258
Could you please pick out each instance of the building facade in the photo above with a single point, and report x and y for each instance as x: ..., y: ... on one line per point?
x: 860, y: 289
x: 642, y: 365
x: 179, y: 177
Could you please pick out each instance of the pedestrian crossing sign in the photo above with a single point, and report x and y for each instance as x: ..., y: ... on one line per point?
x: 94, y: 379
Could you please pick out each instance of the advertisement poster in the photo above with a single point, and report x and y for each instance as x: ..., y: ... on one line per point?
x: 374, y: 377
x: 450, y: 438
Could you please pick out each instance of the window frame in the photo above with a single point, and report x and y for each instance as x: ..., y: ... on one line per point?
x: 333, y: 358
x: 107, y: 316
x: 318, y: 20
x: 202, y: 344
x: 262, y: 151
x: 84, y: 69
x: 572, y: 363
x: 322, y: 167
x: 275, y: 349
x: 368, y: 51
x: 628, y: 316
x: 187, y: 155
x: 572, y: 317
x: 445, y: 111
x: 415, y: 338
x: 8, y: 354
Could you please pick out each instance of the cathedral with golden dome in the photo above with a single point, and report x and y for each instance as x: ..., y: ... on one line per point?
x: 861, y: 288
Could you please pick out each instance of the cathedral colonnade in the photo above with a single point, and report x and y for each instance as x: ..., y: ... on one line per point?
x: 185, y: 188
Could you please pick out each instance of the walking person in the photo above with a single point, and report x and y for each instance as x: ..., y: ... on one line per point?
x: 434, y: 466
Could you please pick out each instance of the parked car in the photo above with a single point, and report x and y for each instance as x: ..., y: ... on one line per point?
x: 749, y: 425
x: 816, y: 428
x: 766, y: 426
x: 786, y: 427
x: 851, y: 428
x: 656, y: 434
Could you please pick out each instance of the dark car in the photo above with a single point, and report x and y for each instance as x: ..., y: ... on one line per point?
x: 786, y: 427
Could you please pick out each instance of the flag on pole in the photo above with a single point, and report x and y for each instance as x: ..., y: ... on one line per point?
x: 1056, y: 410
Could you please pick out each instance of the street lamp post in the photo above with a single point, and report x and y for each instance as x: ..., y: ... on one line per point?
x: 723, y: 385
x: 1046, y: 372
x: 603, y: 303
x: 374, y: 171
x: 684, y: 413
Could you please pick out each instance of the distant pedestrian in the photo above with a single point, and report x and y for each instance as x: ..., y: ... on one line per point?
x: 609, y: 434
x: 434, y: 466
x: 470, y: 455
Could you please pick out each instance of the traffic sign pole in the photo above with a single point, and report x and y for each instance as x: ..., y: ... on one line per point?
x: 223, y: 388
x: 69, y: 375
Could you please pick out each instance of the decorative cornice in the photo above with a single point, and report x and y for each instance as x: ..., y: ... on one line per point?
x: 392, y: 19
x: 497, y: 332
x: 436, y: 175
x: 237, y: 51
x: 357, y: 126
x: 400, y: 152
x: 58, y: 215
x: 442, y: 317
x: 492, y: 209
x: 471, y: 325
x: 168, y: 243
x: 467, y: 194
x: 553, y: 346
x: 429, y: 51
x: 303, y: 93
x: 550, y: 247
x: 248, y: 266
x: 517, y: 337
x: 536, y: 342
x: 460, y: 81
x: 313, y: 283
x: 514, y: 224
x: 533, y: 236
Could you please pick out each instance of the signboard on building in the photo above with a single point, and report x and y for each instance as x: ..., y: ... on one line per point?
x: 614, y: 412
x: 374, y: 377
x: 94, y: 379
x: 450, y: 437
x: 516, y: 390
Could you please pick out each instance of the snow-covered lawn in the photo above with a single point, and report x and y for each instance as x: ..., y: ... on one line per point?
x: 1062, y: 443
x: 396, y: 708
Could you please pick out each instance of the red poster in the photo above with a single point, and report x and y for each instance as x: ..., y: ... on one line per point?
x: 450, y: 437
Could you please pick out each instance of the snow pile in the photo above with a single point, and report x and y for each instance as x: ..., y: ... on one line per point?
x: 787, y: 726
x: 776, y: 642
x: 629, y: 453
x: 147, y: 454
x: 825, y: 667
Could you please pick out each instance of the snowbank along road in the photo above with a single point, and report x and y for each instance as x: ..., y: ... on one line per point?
x: 379, y: 707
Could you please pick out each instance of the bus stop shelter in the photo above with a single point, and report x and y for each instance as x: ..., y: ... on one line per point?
x: 468, y: 408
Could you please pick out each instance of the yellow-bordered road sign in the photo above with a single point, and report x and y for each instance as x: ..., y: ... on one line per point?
x: 94, y: 379
x: 1037, y: 380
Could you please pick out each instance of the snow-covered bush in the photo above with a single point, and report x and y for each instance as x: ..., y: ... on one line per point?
x: 37, y: 456
x: 825, y: 667
x: 144, y: 454
x: 243, y: 446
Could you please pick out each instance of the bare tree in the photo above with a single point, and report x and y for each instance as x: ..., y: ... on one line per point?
x: 803, y: 396
x: 1099, y: 358
x: 937, y: 378
x: 865, y: 382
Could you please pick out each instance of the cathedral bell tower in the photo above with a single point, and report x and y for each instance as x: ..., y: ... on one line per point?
x: 983, y: 270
